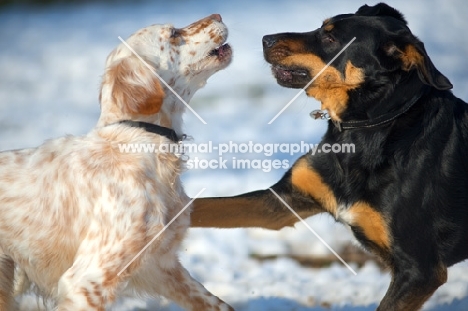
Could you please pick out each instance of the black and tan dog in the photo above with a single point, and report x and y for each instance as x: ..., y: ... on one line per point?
x: 404, y: 192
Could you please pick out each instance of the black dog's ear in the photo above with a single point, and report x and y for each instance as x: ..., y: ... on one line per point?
x: 414, y: 56
x: 407, y: 49
x: 380, y: 9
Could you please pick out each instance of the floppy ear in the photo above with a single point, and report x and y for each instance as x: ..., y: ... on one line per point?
x: 134, y: 88
x: 414, y: 56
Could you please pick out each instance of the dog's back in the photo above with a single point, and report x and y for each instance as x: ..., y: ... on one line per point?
x: 55, y: 196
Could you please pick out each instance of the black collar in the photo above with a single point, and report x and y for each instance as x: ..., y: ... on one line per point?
x: 382, y: 119
x: 156, y: 129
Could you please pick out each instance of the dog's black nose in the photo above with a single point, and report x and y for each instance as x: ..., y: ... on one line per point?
x: 268, y: 41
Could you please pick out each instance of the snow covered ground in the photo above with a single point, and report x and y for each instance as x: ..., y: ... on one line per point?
x: 51, y: 60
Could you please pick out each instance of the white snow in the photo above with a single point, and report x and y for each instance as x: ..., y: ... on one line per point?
x: 51, y: 60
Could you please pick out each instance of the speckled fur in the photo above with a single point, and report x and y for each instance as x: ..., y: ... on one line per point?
x: 76, y: 210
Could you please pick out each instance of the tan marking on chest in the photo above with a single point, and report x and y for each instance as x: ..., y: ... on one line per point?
x: 371, y: 222
x: 307, y: 180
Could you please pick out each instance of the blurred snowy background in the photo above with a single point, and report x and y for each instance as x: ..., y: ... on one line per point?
x: 51, y: 61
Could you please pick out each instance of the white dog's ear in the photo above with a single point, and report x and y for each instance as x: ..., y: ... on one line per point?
x: 134, y: 88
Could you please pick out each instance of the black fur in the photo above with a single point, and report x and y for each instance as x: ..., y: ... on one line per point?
x: 408, y: 175
x: 412, y: 170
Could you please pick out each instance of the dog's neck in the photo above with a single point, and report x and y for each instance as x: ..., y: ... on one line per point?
x: 363, y: 107
x: 169, y: 116
x: 171, y: 112
x: 176, y: 101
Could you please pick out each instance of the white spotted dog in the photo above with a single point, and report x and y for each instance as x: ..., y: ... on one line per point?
x: 76, y: 211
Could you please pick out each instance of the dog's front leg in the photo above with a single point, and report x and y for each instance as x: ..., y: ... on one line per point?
x: 262, y: 208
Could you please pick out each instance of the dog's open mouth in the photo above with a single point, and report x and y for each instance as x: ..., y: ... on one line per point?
x: 222, y: 52
x: 291, y: 77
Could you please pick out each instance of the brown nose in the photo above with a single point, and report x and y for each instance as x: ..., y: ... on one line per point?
x: 216, y: 17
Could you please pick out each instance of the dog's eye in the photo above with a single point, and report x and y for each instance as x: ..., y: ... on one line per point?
x: 328, y: 38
